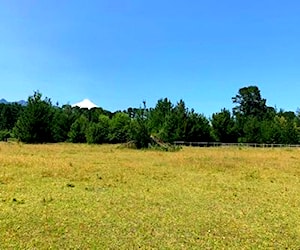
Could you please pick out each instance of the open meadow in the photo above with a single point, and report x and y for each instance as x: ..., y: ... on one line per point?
x: 77, y: 196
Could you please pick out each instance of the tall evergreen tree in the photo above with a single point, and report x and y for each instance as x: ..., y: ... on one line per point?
x: 62, y: 121
x: 139, y: 128
x: 78, y: 130
x: 249, y: 102
x: 223, y: 126
x: 34, y: 124
x: 119, y: 128
x: 249, y: 112
x: 198, y: 128
x: 161, y: 120
x: 98, y: 132
x: 9, y: 114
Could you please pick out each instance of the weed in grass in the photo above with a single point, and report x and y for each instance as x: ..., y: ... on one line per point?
x: 253, y: 175
x: 99, y: 177
x: 47, y: 200
x: 16, y: 201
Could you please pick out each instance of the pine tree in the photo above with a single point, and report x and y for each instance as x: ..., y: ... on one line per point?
x: 34, y: 124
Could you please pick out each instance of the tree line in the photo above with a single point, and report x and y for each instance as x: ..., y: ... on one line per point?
x: 251, y: 121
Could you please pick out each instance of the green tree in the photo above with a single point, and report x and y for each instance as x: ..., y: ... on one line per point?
x: 4, y: 135
x: 62, y: 121
x: 288, y: 115
x: 249, y: 103
x: 139, y: 129
x: 34, y: 124
x: 269, y: 132
x: 132, y: 112
x: 198, y: 128
x: 249, y: 112
x: 180, y: 120
x: 119, y: 128
x: 78, y: 130
x: 98, y: 132
x: 176, y: 123
x: 161, y: 121
x: 9, y: 114
x: 286, y: 130
x: 223, y: 126
x: 251, y: 130
x: 94, y: 113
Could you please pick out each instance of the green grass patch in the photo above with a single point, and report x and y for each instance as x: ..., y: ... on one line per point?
x: 68, y: 196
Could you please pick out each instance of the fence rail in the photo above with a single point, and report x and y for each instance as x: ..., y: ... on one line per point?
x: 222, y: 144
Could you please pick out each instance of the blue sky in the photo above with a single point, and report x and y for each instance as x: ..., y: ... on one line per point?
x: 118, y: 53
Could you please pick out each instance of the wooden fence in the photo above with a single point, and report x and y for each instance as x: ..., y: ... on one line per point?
x: 222, y: 144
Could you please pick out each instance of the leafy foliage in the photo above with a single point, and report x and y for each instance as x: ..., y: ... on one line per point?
x: 251, y: 120
x: 98, y: 132
x: 62, y: 121
x: 78, y: 130
x: 119, y: 128
x: 139, y: 130
x: 4, y: 135
x: 34, y: 125
x: 223, y: 126
x: 249, y: 102
x: 9, y: 114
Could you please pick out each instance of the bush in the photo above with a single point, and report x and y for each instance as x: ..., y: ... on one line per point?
x: 4, y: 135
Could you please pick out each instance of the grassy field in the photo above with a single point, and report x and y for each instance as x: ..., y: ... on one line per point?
x: 67, y: 196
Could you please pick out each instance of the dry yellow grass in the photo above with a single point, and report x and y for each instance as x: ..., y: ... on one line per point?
x: 65, y: 196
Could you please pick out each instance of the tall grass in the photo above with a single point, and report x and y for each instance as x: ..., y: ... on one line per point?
x: 77, y: 196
